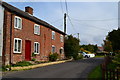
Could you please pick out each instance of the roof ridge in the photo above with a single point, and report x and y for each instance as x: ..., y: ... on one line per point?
x: 30, y: 17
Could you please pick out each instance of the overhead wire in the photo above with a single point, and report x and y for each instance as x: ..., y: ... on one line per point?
x: 66, y: 6
x: 95, y: 27
x: 58, y: 20
x: 77, y: 20
x: 110, y: 19
x: 61, y: 7
x: 67, y: 13
x: 71, y: 22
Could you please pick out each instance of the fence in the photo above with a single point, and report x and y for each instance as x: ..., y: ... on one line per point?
x: 109, y: 74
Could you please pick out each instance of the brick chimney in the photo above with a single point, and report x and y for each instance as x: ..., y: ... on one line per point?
x: 29, y: 10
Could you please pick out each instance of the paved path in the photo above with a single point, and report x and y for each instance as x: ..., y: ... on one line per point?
x: 73, y: 69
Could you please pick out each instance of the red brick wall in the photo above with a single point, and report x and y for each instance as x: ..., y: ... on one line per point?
x: 27, y: 33
x: 6, y: 37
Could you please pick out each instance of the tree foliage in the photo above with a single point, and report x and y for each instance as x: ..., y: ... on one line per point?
x: 71, y: 46
x: 107, y: 46
x: 114, y: 37
x: 90, y: 47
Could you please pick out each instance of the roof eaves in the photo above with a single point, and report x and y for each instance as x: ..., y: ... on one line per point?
x: 30, y: 17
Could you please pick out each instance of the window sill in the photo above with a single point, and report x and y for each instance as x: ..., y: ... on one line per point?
x: 53, y: 39
x: 36, y: 53
x: 16, y: 52
x: 18, y: 28
x: 37, y: 34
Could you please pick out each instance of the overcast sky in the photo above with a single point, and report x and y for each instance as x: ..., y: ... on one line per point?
x: 93, y: 20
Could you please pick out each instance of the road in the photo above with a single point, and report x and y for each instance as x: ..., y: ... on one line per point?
x: 73, y: 69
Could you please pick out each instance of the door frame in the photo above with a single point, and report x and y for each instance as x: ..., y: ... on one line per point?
x: 26, y: 54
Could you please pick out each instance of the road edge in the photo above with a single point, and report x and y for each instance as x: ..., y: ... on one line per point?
x: 38, y: 65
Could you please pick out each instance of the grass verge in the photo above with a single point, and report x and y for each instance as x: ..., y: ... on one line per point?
x: 95, y: 73
x: 99, y: 56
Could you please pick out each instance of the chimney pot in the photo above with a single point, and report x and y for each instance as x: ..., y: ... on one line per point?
x: 29, y: 10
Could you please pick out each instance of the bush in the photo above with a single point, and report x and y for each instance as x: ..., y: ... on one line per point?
x: 117, y: 57
x: 112, y: 66
x: 116, y: 60
x: 33, y: 54
x: 53, y: 57
x: 33, y: 59
x: 22, y: 63
x: 77, y: 57
x: 80, y: 56
x: 6, y: 68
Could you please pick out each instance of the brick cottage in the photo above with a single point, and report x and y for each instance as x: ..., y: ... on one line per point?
x: 24, y: 34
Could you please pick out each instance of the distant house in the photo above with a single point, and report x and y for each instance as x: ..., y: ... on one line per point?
x: 100, y: 49
x: 25, y: 34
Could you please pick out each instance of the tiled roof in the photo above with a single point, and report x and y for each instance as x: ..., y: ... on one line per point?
x: 28, y: 16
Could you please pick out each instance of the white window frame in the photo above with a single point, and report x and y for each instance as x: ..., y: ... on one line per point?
x: 38, y: 30
x: 52, y: 49
x: 17, y: 45
x: 37, y: 52
x: 53, y: 35
x: 17, y: 23
x: 62, y: 50
x: 61, y: 38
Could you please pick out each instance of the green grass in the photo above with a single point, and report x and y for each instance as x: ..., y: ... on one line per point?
x: 22, y: 63
x: 99, y: 56
x: 96, y: 73
x: 0, y: 68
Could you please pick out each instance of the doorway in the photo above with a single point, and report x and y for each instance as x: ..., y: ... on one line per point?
x: 27, y: 50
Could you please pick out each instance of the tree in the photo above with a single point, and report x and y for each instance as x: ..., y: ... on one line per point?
x: 71, y: 46
x: 114, y: 38
x: 107, y: 45
x: 90, y: 47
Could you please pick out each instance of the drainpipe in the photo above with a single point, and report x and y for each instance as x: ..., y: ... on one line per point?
x: 10, y: 62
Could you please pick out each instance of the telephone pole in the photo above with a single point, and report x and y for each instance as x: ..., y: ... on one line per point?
x: 78, y: 35
x: 65, y: 23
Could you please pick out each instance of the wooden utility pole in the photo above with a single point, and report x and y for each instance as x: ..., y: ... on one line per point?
x: 78, y: 35
x: 65, y: 23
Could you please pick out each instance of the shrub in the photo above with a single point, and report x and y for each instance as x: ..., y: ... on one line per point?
x: 53, y: 57
x: 33, y: 59
x: 77, y: 57
x: 33, y: 54
x: 80, y: 56
x: 22, y: 63
x: 116, y: 60
x: 117, y: 57
x: 6, y: 68
x: 112, y: 66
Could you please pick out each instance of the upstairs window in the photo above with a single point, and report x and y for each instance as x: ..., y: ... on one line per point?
x: 36, y: 47
x: 37, y: 29
x: 53, y: 35
x: 61, y: 38
x: 17, y: 22
x: 53, y: 49
x: 17, y: 45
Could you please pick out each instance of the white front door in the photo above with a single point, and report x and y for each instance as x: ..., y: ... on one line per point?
x: 1, y: 28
